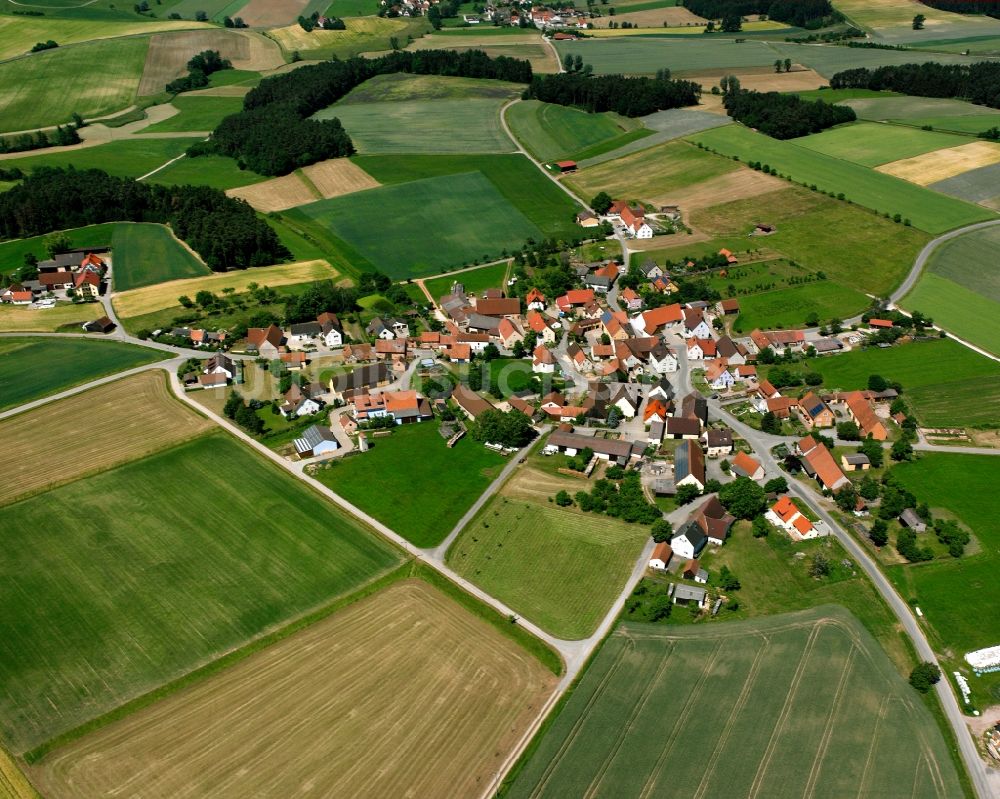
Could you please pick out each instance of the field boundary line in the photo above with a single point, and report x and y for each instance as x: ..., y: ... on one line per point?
x: 824, y: 742
x: 693, y: 697
x: 786, y: 710
x: 741, y: 701
x: 637, y: 709
x: 864, y: 783
x: 574, y: 731
x: 308, y: 183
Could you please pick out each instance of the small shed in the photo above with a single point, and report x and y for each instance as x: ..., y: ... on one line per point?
x: 909, y: 518
x: 566, y: 166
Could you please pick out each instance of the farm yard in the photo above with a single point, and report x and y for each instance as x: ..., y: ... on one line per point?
x: 415, y: 463
x: 780, y: 706
x: 145, y: 254
x: 31, y: 368
x: 431, y: 220
x: 362, y: 703
x: 135, y: 576
x: 928, y: 211
x: 560, y: 568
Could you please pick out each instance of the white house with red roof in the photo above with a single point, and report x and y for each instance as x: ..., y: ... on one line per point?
x: 535, y: 300
x: 786, y: 515
x: 544, y: 362
x: 538, y: 324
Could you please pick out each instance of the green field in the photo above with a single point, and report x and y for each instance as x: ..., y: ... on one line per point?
x: 90, y: 79
x: 435, y: 224
x: 928, y: 210
x: 871, y: 144
x: 936, y: 112
x: 12, y: 252
x: 831, y: 96
x: 948, y: 384
x: 117, y: 583
x: 967, y: 314
x: 197, y: 113
x: 145, y: 254
x: 126, y: 158
x: 646, y: 54
x: 796, y: 705
x: 555, y: 131
x: 215, y: 171
x: 514, y: 176
x: 789, y: 306
x: 562, y: 569
x: 475, y: 281
x: 828, y: 60
x: 413, y: 483
x: 352, y: 8
x: 31, y: 368
x: 964, y: 485
x: 961, y: 260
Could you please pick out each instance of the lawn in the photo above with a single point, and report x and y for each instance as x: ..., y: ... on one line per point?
x: 31, y: 368
x: 964, y: 485
x: 125, y: 158
x: 144, y: 254
x: 426, y: 226
x: 13, y: 251
x: 514, y: 176
x: 650, y: 175
x: 405, y: 691
x: 778, y: 707
x: 103, y: 75
x: 475, y: 281
x: 411, y: 482
x: 948, y: 384
x: 197, y: 113
x: 554, y: 131
x: 872, y: 144
x: 117, y: 583
x: 562, y: 569
x: 929, y: 211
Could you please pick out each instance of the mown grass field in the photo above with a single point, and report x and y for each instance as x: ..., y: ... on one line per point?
x: 964, y: 485
x: 197, y: 113
x: 362, y: 703
x: 425, y: 226
x: 475, y: 281
x: 961, y: 260
x: 561, y: 569
x: 411, y: 482
x: 31, y: 368
x: 125, y: 158
x: 947, y: 384
x: 928, y: 211
x: 103, y: 75
x: 66, y: 317
x: 785, y: 706
x: 145, y: 254
x: 216, y: 171
x: 791, y: 305
x: 871, y: 144
x: 554, y: 131
x: 949, y: 114
x: 514, y: 176
x: 119, y: 582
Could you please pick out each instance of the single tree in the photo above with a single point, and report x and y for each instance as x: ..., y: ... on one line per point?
x: 743, y: 498
x: 924, y: 675
x: 662, y: 530
x: 687, y: 493
x: 918, y: 22
x: 879, y: 534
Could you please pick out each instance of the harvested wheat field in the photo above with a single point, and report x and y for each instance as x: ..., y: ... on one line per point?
x: 277, y: 194
x: 271, y: 13
x: 164, y: 295
x: 21, y: 319
x: 671, y: 17
x: 799, y: 79
x: 338, y: 176
x: 404, y: 693
x: 169, y: 53
x: 13, y: 784
x: 943, y: 164
x: 125, y: 420
x: 738, y: 185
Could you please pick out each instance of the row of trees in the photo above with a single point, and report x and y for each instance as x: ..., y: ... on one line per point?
x: 784, y: 116
x: 274, y: 134
x: 979, y: 83
x: 800, y: 13
x: 630, y: 97
x: 226, y: 232
x: 987, y: 7
x: 60, y: 137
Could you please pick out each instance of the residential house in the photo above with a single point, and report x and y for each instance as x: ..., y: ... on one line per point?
x: 781, y: 407
x: 819, y: 463
x: 855, y: 462
x: 718, y: 374
x: 220, y: 364
x: 745, y: 466
x: 656, y: 411
x: 662, y: 360
x: 627, y: 397
x: 634, y: 220
x: 746, y: 373
x: 863, y: 414
x: 541, y: 327
x: 700, y: 349
x: 265, y: 341
x: 785, y: 515
x: 689, y: 540
x: 735, y: 353
x: 379, y: 328
x: 695, y: 324
x: 814, y: 412
x: 579, y: 358
x: 574, y: 298
x: 660, y: 559
x: 460, y: 353
x: 303, y: 334
x: 765, y: 390
x: 689, y: 465
x: 407, y: 407
x: 509, y: 334
x: 471, y: 403
x: 631, y: 299
x: 615, y: 325
x: 663, y: 390
x: 543, y: 361
x: 316, y: 440
x: 651, y: 270
x: 535, y: 300
x: 718, y: 442
x: 87, y: 284
x: 16, y: 297
x: 692, y: 571
x: 599, y: 283
x: 655, y: 320
x: 298, y: 403
x: 344, y: 386
x: 715, y: 521
x: 331, y: 331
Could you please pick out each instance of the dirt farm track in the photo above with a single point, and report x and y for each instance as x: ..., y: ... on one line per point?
x: 361, y: 704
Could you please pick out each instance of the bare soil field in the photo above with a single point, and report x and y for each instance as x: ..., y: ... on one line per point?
x: 277, y: 194
x: 943, y: 164
x: 798, y: 80
x: 169, y: 53
x: 164, y: 295
x: 271, y: 13
x: 338, y: 176
x: 736, y: 185
x: 675, y: 16
x: 91, y: 432
x: 404, y: 693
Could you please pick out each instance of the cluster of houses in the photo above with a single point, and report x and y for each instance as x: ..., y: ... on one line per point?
x: 516, y: 14
x: 77, y: 273
x: 869, y: 410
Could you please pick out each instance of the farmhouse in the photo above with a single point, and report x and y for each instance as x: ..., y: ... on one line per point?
x: 618, y: 451
x: 343, y: 387
x: 660, y: 559
x: 689, y: 540
x: 220, y: 364
x: 265, y: 341
x: 316, y: 440
x: 814, y: 412
x: 861, y: 411
x: 331, y: 331
x: 303, y: 334
x: 718, y: 442
x: 819, y: 463
x: 714, y: 520
x: 470, y: 402
x: 689, y: 465
x: 695, y: 324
